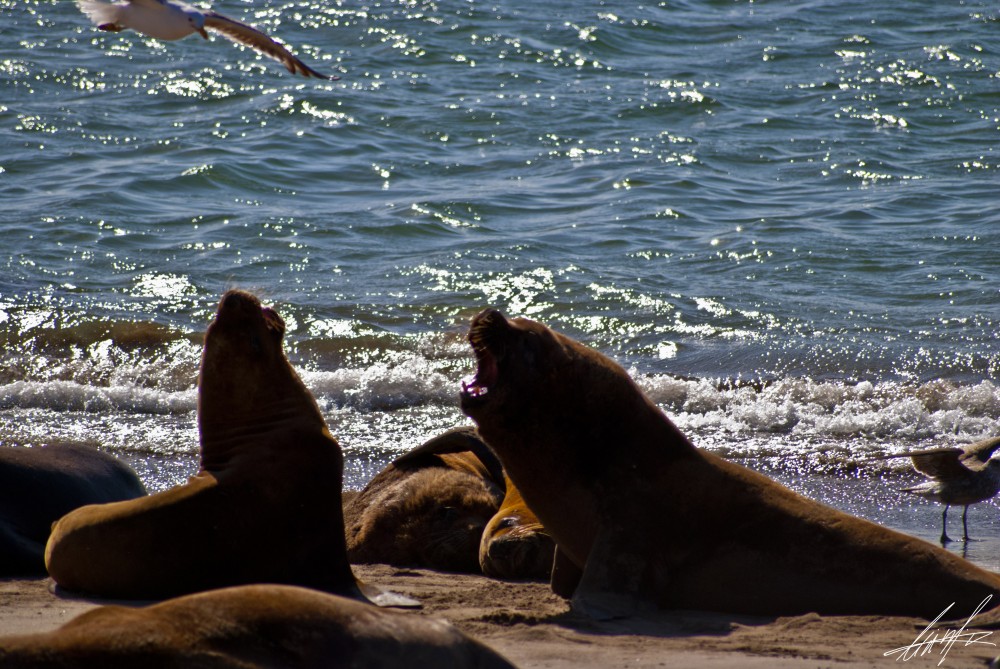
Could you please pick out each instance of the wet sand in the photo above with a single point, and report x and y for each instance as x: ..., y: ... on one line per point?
x: 536, y: 629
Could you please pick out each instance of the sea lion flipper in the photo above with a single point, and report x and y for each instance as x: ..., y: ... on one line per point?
x: 454, y: 440
x: 457, y: 440
x: 612, y: 585
x: 386, y: 598
x: 565, y: 576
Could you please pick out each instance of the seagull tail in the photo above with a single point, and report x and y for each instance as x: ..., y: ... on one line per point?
x: 100, y: 12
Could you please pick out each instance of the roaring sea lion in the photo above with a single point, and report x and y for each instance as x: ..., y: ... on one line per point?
x: 428, y: 507
x: 265, y: 506
x: 650, y: 519
x: 515, y: 544
x: 245, y: 627
x: 40, y: 485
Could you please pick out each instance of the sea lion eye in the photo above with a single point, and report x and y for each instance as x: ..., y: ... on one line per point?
x: 508, y: 521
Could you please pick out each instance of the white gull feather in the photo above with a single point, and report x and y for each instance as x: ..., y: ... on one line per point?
x: 173, y: 19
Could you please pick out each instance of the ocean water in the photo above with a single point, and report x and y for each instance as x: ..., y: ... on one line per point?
x: 780, y: 217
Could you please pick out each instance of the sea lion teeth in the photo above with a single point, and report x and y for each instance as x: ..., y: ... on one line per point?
x: 473, y: 389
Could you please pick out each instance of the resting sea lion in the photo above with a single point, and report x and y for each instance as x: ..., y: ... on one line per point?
x: 647, y: 516
x: 428, y: 507
x: 40, y: 485
x: 514, y: 543
x: 247, y: 627
x: 265, y: 506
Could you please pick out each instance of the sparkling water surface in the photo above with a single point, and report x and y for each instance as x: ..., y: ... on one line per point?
x: 780, y: 217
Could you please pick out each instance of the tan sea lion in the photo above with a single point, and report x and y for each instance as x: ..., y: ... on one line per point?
x: 650, y: 519
x: 428, y: 507
x: 248, y: 627
x: 515, y: 544
x: 265, y: 506
x: 39, y: 485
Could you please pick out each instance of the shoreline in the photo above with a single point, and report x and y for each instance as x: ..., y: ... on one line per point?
x: 535, y: 629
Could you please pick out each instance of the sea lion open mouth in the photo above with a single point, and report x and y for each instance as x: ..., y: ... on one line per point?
x: 484, y: 336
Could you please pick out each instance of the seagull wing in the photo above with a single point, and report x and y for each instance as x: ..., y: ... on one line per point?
x: 979, y: 453
x: 101, y: 12
x: 939, y: 462
x: 244, y: 34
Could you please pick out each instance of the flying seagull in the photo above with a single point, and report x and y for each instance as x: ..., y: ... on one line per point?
x: 174, y: 19
x: 957, y: 475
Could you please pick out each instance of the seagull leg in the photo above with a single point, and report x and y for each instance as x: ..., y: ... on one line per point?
x: 944, y: 526
x: 111, y: 27
x: 965, y: 526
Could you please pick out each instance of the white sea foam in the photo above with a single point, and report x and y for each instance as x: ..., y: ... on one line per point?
x: 74, y: 396
x: 383, y: 386
x: 799, y: 407
x: 832, y: 409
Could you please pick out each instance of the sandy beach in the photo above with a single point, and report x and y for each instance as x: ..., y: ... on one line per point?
x: 535, y: 629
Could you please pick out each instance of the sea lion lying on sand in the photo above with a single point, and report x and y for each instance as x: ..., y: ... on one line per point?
x: 515, y: 544
x: 246, y: 627
x: 428, y: 507
x: 40, y: 485
x: 650, y: 518
x: 265, y: 506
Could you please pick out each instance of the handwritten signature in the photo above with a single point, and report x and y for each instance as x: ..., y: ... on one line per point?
x: 926, y: 641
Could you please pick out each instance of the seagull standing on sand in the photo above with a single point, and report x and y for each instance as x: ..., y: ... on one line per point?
x: 957, y: 475
x: 173, y: 19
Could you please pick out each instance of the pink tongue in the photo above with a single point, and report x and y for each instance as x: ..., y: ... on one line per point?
x: 486, y: 376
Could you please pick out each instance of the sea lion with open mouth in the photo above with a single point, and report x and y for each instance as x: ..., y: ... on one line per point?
x: 650, y: 519
x: 265, y: 506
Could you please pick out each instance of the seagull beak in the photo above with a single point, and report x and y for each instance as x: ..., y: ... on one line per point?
x: 202, y: 32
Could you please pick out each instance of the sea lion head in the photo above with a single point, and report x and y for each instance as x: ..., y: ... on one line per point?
x: 532, y: 379
x: 244, y: 371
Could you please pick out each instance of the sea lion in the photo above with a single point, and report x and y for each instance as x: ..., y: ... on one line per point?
x: 40, y: 485
x: 652, y: 520
x: 265, y: 505
x: 428, y: 507
x: 514, y: 544
x: 246, y: 627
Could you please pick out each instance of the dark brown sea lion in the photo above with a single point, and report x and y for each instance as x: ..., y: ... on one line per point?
x: 265, y: 626
x: 651, y: 519
x: 265, y: 506
x: 40, y: 485
x: 515, y: 544
x: 428, y: 507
